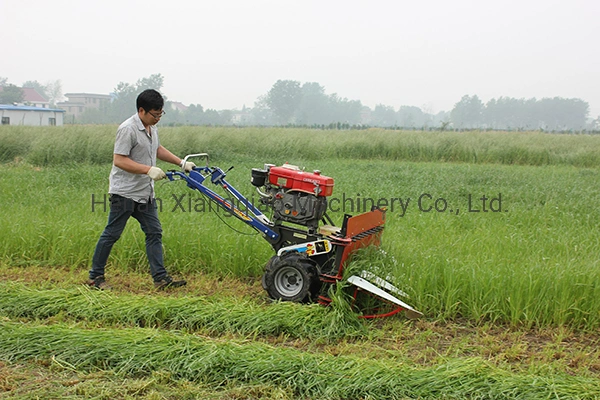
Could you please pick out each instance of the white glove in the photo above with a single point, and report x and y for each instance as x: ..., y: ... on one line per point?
x: 187, y: 166
x: 156, y: 173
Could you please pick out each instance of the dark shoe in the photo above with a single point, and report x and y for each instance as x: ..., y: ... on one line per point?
x: 168, y: 282
x: 99, y: 283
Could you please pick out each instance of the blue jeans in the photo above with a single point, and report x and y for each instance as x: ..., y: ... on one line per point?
x: 121, y: 209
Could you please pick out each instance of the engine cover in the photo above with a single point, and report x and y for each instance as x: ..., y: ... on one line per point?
x: 291, y: 177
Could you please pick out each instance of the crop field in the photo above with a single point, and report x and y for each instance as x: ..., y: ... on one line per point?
x: 495, y: 237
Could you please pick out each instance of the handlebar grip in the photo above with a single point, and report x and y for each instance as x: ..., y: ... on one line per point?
x: 204, y: 155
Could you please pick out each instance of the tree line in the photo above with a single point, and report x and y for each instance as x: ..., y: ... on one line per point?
x: 506, y: 113
x: 292, y: 103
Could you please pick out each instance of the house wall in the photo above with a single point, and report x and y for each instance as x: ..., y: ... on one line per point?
x: 34, y: 118
x: 72, y: 108
x: 36, y: 104
x: 79, y: 102
x: 89, y: 100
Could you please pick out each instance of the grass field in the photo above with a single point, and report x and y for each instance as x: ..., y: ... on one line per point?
x: 493, y: 235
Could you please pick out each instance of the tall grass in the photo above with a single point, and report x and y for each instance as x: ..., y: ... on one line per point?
x: 139, y: 352
x: 534, y: 263
x: 216, y: 315
x: 94, y: 144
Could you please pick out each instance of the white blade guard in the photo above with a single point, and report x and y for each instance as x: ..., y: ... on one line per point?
x: 371, y: 277
x: 363, y: 284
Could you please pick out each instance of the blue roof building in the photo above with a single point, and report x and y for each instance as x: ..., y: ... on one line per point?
x: 28, y: 115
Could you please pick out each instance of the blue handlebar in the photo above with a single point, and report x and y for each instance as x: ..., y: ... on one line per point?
x: 251, y: 216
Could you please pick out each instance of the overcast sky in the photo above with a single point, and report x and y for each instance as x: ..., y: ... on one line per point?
x: 226, y: 53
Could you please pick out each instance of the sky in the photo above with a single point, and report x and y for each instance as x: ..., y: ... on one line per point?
x: 224, y: 54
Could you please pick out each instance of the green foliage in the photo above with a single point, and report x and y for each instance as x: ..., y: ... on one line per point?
x: 532, y: 264
x: 467, y: 113
x: 383, y: 115
x: 216, y: 315
x: 283, y: 99
x: 142, y: 352
x: 71, y: 144
x: 552, y: 114
x: 11, y: 94
x: 16, y: 143
x: 123, y: 103
x: 94, y: 144
x: 306, y: 104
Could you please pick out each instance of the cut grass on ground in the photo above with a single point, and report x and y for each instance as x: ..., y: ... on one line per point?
x: 140, y: 352
x: 425, y: 342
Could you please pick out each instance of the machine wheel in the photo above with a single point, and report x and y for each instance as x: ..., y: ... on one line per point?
x: 292, y: 277
x: 268, y: 267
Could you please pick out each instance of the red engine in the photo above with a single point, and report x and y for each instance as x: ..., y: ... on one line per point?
x: 294, y: 195
x: 291, y: 177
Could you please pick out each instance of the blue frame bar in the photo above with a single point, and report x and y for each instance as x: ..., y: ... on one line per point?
x: 252, y: 216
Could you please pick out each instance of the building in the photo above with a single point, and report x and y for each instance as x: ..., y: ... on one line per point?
x: 77, y: 103
x: 178, y: 106
x: 28, y: 115
x: 242, y: 118
x: 32, y: 97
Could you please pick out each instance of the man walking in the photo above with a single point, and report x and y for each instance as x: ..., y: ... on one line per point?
x: 131, y: 189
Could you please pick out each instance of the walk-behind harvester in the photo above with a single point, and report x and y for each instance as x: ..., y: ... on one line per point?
x: 310, y: 252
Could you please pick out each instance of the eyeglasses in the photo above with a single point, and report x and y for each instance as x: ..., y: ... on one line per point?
x: 157, y: 116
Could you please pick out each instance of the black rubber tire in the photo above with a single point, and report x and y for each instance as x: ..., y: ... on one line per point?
x: 268, y: 266
x: 292, y: 277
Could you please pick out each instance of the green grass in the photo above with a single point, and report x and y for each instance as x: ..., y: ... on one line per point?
x: 214, y: 315
x: 534, y: 263
x: 140, y: 352
x: 31, y: 380
x: 511, y: 298
x: 94, y: 144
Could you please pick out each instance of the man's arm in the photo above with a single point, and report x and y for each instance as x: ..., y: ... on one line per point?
x: 165, y: 155
x: 127, y: 164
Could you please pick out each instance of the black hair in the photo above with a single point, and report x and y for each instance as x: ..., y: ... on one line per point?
x: 150, y: 99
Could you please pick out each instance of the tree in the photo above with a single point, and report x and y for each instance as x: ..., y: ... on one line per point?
x: 11, y: 94
x: 212, y: 117
x: 344, y: 110
x: 51, y: 91
x: 93, y: 116
x: 467, y: 113
x: 442, y: 120
x: 155, y: 81
x: 384, y: 116
x: 563, y: 114
x: 313, y: 107
x: 595, y: 124
x: 194, y: 114
x: 54, y: 92
x: 411, y: 117
x: 125, y: 95
x: 283, y: 99
x: 261, y: 113
x: 123, y: 104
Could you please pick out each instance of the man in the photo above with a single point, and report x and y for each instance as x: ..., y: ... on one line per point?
x: 131, y: 189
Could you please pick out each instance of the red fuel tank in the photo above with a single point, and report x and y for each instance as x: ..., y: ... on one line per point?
x: 291, y: 177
